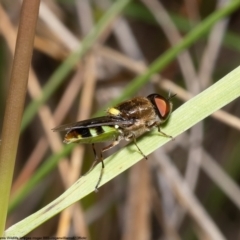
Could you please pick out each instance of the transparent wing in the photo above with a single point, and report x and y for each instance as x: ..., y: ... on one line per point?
x: 94, y: 122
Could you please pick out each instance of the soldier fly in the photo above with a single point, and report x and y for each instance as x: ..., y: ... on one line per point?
x: 127, y: 120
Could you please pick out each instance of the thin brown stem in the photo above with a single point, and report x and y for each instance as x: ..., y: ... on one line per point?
x: 15, y: 101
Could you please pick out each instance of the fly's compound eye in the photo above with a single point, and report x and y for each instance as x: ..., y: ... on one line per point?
x: 163, y: 106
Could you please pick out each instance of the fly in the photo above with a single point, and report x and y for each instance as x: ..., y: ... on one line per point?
x: 127, y: 120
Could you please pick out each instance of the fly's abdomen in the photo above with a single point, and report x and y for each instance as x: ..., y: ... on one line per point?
x: 92, y: 134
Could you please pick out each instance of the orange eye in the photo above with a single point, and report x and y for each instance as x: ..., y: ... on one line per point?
x: 162, y: 106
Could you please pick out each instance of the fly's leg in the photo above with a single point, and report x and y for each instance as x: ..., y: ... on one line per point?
x: 159, y: 130
x: 164, y: 134
x: 135, y: 142
x: 95, y: 161
x: 102, y: 170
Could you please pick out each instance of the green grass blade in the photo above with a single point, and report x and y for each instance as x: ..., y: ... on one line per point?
x: 215, y: 97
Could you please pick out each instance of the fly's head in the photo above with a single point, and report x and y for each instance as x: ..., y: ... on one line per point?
x: 161, y: 105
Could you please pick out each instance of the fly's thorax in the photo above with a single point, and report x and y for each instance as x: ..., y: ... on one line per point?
x: 136, y: 108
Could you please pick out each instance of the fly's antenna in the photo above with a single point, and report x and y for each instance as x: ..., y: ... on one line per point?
x: 171, y: 96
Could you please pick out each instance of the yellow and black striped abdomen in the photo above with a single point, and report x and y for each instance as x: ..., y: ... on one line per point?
x: 92, y: 134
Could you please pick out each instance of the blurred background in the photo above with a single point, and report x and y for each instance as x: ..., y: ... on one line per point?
x: 184, y: 185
